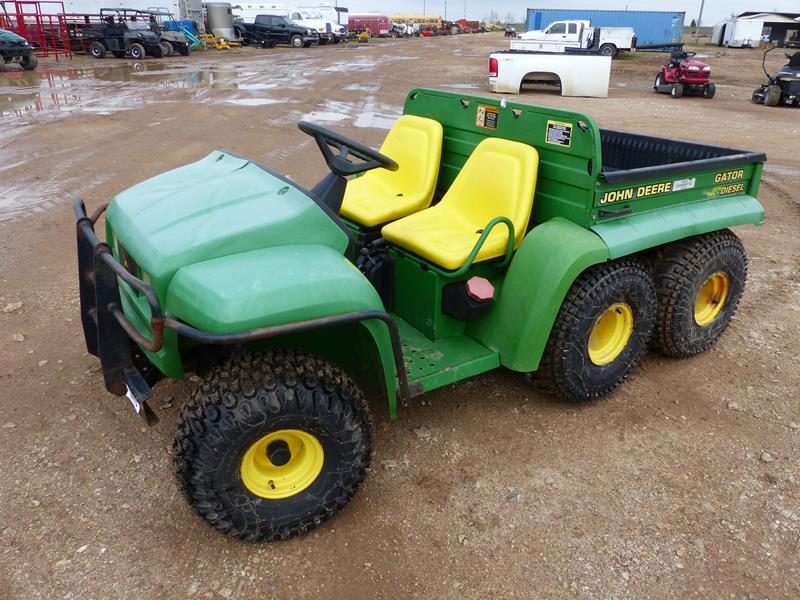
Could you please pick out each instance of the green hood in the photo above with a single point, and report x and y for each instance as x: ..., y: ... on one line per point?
x: 218, y: 206
x: 7, y: 36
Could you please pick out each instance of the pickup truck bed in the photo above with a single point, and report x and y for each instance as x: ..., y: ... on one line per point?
x: 576, y: 71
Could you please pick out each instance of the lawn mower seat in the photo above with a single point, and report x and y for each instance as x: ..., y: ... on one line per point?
x: 498, y: 180
x: 380, y: 196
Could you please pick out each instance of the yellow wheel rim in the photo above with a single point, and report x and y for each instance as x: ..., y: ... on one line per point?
x: 610, y: 334
x: 282, y: 463
x: 711, y: 299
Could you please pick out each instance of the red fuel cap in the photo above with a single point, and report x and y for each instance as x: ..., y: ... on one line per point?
x: 479, y: 289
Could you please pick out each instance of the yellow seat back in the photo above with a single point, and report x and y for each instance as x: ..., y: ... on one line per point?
x: 498, y: 180
x: 380, y: 195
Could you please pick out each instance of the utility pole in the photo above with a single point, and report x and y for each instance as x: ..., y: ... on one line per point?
x: 699, y: 19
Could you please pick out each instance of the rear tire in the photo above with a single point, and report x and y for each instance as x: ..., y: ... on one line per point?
x: 772, y: 96
x: 136, y: 51
x: 97, y: 49
x: 246, y: 406
x: 677, y: 90
x: 608, y: 50
x: 699, y: 282
x: 602, y: 330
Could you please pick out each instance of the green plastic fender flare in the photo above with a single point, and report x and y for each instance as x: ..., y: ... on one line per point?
x: 544, y: 267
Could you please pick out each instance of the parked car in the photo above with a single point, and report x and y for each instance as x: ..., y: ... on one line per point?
x: 269, y: 30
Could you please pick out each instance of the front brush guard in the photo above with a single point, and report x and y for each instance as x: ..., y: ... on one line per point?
x: 112, y: 337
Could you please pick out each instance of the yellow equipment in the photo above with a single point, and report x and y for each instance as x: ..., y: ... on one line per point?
x: 498, y: 180
x: 211, y: 41
x: 381, y: 196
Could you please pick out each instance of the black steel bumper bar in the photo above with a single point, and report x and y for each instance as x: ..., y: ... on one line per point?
x: 108, y: 332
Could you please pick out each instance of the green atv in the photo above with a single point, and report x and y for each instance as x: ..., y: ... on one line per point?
x: 482, y: 235
x: 15, y: 48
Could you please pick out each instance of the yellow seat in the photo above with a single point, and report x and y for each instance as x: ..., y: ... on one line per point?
x: 498, y: 180
x: 380, y: 195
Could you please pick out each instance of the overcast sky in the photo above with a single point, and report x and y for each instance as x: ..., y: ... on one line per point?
x: 715, y: 10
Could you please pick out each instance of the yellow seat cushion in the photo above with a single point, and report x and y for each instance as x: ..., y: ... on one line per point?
x: 380, y: 195
x: 498, y: 180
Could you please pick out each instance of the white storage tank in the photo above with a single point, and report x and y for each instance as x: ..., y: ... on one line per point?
x: 220, y: 19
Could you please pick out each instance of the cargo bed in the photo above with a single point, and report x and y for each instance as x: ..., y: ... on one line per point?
x: 631, y: 156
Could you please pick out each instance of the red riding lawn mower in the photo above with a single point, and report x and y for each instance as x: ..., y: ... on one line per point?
x: 684, y: 76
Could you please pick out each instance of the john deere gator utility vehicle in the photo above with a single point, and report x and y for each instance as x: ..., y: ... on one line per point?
x: 482, y: 235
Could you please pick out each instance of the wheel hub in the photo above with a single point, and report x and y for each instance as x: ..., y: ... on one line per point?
x: 282, y: 463
x: 610, y: 334
x: 711, y: 298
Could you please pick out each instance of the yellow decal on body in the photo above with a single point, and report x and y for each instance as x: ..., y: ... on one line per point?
x: 729, y: 176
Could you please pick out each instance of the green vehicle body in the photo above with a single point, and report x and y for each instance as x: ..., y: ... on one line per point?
x: 198, y: 235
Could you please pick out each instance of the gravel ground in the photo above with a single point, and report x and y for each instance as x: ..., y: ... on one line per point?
x: 683, y: 483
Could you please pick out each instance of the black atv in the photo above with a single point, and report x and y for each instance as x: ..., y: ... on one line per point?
x: 14, y: 48
x: 784, y: 86
x: 122, y: 36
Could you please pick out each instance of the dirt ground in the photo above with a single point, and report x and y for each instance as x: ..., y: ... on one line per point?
x: 684, y: 483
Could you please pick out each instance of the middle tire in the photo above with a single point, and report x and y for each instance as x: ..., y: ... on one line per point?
x: 602, y: 330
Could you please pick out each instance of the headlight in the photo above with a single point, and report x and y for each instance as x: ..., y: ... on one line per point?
x: 694, y: 68
x: 310, y: 32
x: 706, y: 68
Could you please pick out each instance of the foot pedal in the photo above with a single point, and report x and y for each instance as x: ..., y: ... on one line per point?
x: 138, y: 392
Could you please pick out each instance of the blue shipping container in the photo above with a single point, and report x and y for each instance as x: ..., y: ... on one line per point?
x: 651, y: 28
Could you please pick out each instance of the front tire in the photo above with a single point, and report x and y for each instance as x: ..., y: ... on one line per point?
x: 602, y: 330
x: 772, y: 97
x: 167, y: 49
x: 29, y: 62
x: 677, y: 90
x: 659, y: 81
x: 699, y: 282
x: 709, y: 90
x: 273, y: 444
x: 297, y: 41
x: 136, y: 51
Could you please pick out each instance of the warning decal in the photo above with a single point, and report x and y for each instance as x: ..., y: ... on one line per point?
x: 487, y: 117
x: 559, y: 133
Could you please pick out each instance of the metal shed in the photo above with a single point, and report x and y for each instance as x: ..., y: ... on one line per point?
x: 654, y: 30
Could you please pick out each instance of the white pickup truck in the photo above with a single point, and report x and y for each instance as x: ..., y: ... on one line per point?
x: 576, y: 74
x: 560, y: 35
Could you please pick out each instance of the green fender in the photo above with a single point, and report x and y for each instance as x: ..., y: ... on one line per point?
x: 544, y: 267
x: 641, y: 231
x: 288, y: 284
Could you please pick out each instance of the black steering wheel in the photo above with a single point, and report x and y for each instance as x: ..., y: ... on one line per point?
x: 341, y: 163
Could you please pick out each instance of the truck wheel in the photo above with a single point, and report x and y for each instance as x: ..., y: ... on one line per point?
x: 29, y: 62
x: 273, y: 444
x: 699, y: 282
x: 677, y: 90
x: 602, y: 330
x: 136, y: 51
x: 772, y: 96
x: 297, y: 41
x: 608, y: 50
x: 709, y: 90
x: 97, y: 50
